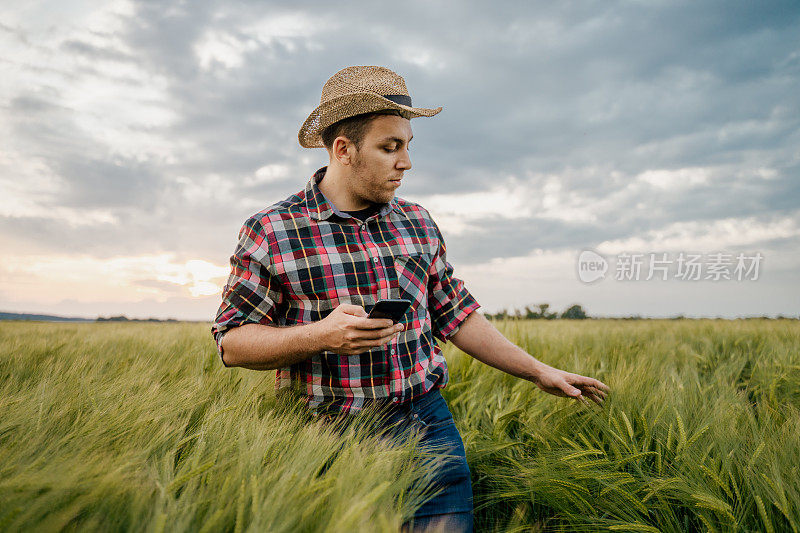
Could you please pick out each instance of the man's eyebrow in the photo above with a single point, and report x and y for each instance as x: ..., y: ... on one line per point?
x: 398, y: 140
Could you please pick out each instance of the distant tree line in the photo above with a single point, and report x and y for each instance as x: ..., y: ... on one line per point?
x: 123, y: 318
x: 576, y: 312
x: 542, y: 312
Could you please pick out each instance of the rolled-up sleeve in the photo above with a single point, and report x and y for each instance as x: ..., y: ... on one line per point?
x: 449, y: 301
x: 253, y: 292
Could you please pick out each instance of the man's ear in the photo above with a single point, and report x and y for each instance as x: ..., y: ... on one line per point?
x: 343, y: 150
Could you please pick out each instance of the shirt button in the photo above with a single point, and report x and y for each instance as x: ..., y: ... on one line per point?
x: 392, y: 351
x: 395, y: 399
x: 416, y: 415
x: 375, y: 259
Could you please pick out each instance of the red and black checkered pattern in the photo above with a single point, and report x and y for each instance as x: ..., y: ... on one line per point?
x: 300, y: 258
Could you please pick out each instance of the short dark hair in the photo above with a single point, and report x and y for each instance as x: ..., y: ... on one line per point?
x: 354, y: 128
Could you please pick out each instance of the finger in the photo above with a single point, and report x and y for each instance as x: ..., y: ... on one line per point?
x: 583, y: 400
x: 374, y: 334
x: 601, y: 385
x: 591, y: 382
x: 570, y: 390
x: 585, y: 391
x: 593, y: 390
x: 361, y: 347
x: 373, y: 323
x: 596, y: 399
x: 594, y: 395
x: 352, y: 309
x: 366, y: 344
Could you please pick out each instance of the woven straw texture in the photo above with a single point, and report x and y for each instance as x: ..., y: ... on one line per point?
x: 354, y: 91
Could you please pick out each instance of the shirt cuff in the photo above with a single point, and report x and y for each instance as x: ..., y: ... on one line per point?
x: 218, y: 338
x: 454, y: 325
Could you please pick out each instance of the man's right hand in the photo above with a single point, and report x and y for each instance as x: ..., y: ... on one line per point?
x: 348, y: 331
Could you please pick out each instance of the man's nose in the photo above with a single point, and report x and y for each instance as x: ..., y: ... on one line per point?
x: 404, y: 162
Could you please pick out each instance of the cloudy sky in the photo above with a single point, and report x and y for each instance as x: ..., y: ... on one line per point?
x: 136, y: 138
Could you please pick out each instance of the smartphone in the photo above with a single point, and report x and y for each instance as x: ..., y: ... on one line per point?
x: 393, y: 309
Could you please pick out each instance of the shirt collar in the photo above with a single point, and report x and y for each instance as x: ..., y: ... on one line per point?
x: 320, y: 208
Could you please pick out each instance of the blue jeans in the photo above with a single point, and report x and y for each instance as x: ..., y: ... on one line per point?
x: 460, y: 522
x: 431, y: 415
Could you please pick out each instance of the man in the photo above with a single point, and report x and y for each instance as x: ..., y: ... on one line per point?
x: 307, y: 269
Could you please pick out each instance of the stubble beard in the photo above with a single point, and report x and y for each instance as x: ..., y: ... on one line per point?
x: 360, y: 176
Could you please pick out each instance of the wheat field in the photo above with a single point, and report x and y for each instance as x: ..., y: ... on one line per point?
x: 139, y: 427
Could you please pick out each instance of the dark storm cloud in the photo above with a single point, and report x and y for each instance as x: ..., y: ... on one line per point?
x: 92, y: 176
x: 594, y: 92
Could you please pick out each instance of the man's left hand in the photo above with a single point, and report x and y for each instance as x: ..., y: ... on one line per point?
x: 566, y: 384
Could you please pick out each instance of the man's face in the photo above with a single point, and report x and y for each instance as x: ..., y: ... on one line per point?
x: 379, y: 165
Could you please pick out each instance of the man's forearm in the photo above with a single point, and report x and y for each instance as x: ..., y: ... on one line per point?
x: 260, y: 347
x: 480, y: 339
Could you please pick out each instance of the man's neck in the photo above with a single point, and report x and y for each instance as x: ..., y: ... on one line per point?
x: 333, y: 187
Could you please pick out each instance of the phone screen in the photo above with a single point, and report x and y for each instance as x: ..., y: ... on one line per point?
x: 393, y: 309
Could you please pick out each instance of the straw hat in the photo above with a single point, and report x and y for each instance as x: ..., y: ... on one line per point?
x: 354, y: 91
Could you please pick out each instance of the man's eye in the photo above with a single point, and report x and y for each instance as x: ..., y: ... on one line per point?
x: 389, y: 149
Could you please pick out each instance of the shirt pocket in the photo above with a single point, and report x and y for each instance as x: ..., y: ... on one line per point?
x: 412, y: 279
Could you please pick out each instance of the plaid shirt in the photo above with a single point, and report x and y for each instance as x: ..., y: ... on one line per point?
x: 300, y: 258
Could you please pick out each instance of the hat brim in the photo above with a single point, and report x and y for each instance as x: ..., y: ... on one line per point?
x: 349, y: 105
